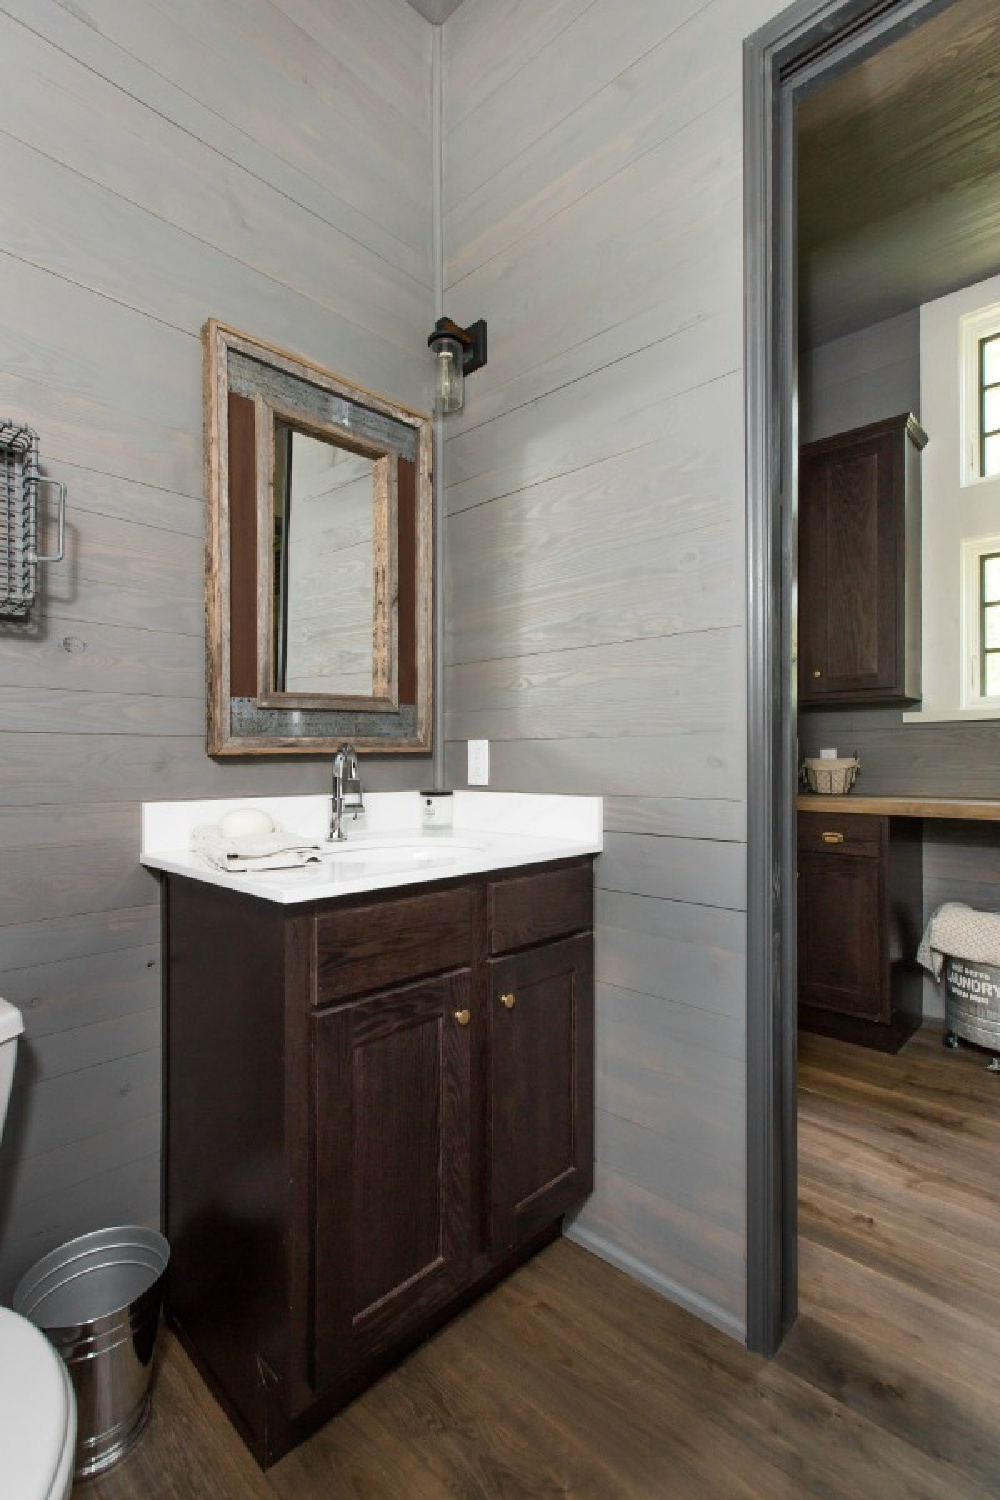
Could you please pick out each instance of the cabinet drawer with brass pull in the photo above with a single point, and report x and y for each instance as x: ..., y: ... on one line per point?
x: 842, y: 833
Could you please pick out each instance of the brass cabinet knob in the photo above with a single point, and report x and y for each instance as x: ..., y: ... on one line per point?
x: 817, y: 673
x: 508, y: 1001
x: 833, y: 838
x: 463, y: 1017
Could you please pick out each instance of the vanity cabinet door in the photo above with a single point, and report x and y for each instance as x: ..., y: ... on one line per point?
x: 841, y: 960
x: 542, y: 1087
x: 392, y: 1115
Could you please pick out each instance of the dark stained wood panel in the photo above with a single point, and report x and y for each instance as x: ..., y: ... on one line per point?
x: 852, y: 495
x: 373, y: 946
x: 537, y: 908
x: 828, y: 830
x: 223, y: 1189
x: 860, y: 915
x: 406, y: 531
x: 840, y: 911
x: 542, y: 1087
x: 898, y: 173
x: 396, y: 1077
x: 392, y: 1160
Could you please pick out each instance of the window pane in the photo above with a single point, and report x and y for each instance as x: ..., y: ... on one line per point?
x: 991, y: 360
x: 991, y: 627
x: 991, y: 578
x: 992, y: 684
x: 991, y: 410
x: 991, y: 455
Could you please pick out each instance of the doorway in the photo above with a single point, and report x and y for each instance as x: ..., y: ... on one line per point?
x: 806, y: 48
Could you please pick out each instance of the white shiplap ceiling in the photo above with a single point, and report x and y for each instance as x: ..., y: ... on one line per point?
x: 436, y: 10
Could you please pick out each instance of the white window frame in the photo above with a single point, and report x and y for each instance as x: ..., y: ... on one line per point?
x: 984, y: 323
x: 973, y: 550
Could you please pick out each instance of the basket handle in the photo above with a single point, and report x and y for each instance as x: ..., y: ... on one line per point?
x: 60, y: 553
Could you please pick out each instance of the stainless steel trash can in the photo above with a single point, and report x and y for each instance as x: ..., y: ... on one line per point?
x: 98, y: 1299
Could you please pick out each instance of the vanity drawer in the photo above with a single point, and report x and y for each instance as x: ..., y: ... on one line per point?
x: 373, y: 947
x: 535, y: 908
x: 842, y: 833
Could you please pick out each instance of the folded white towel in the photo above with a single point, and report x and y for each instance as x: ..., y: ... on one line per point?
x: 253, y: 851
x: 959, y: 931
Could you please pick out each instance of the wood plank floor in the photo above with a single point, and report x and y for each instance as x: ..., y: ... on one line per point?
x: 572, y: 1380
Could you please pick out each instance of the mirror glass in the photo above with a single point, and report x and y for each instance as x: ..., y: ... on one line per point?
x: 324, y: 566
x: 319, y: 580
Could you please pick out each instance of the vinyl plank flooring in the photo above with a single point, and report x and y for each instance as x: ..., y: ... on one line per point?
x: 899, y: 1220
x: 571, y: 1379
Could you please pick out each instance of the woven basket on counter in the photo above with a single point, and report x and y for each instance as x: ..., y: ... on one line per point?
x: 833, y: 776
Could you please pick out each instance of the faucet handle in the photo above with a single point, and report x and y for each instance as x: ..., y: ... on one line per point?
x: 353, y: 794
x: 351, y: 789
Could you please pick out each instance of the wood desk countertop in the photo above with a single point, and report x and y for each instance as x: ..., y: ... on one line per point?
x: 978, y: 809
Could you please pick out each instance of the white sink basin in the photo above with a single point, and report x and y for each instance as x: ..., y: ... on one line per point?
x: 398, y: 854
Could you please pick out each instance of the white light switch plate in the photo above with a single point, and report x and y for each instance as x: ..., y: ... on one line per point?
x: 479, y: 762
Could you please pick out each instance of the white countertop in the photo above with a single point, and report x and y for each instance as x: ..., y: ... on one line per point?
x: 386, y: 847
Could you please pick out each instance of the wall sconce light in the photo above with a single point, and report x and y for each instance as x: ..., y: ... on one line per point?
x: 457, y: 352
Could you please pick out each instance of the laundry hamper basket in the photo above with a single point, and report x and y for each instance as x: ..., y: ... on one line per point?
x: 972, y: 1003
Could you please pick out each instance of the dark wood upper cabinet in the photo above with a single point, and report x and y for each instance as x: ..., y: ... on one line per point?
x: 859, y: 566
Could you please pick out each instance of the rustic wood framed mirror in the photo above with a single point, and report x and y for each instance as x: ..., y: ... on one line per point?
x: 319, y: 557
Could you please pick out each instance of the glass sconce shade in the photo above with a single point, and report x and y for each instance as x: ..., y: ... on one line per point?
x: 457, y: 353
x: 449, y: 378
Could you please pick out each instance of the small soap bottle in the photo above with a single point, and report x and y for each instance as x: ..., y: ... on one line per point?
x: 436, y: 810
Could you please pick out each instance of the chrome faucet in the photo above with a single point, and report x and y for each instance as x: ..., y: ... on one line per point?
x: 348, y: 793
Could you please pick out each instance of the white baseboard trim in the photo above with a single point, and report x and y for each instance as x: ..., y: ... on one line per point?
x: 701, y: 1307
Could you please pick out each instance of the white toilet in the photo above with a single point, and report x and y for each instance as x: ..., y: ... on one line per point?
x: 37, y: 1407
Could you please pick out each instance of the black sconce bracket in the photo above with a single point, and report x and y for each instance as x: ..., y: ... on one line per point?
x: 472, y: 340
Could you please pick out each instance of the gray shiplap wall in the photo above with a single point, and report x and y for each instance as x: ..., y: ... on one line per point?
x: 859, y: 379
x: 595, y: 543
x: 265, y: 162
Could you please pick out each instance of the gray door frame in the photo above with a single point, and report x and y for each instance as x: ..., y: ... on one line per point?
x: 805, y: 45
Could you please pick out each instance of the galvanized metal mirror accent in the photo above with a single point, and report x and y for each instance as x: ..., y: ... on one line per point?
x: 319, y: 557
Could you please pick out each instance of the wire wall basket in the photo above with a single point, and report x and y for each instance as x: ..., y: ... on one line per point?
x: 20, y: 482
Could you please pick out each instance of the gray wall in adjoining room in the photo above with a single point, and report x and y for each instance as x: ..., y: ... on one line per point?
x: 596, y: 559
x: 862, y: 378
x: 262, y: 164
x: 845, y: 384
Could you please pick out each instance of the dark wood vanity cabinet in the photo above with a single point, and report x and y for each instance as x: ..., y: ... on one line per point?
x: 859, y: 914
x: 859, y: 566
x: 375, y: 1107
